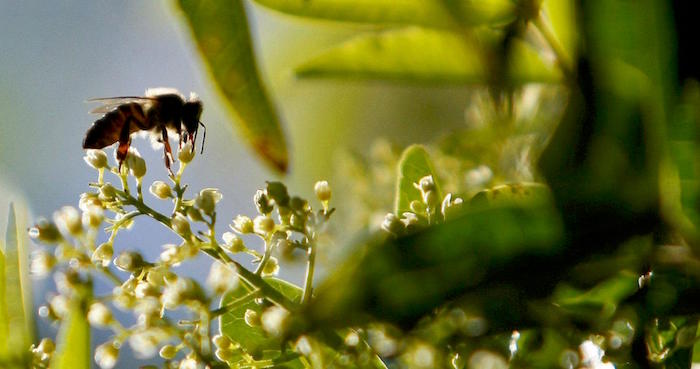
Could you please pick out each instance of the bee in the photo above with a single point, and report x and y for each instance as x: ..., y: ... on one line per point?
x: 160, y: 111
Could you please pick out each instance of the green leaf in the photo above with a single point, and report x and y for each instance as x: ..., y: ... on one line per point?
x: 220, y: 29
x: 562, y: 17
x: 73, y: 342
x: 422, y: 55
x: 232, y: 324
x: 601, y: 301
x: 414, y: 164
x: 15, y: 322
x: 428, y: 13
x: 401, y: 280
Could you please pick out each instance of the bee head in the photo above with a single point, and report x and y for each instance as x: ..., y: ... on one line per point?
x: 191, y: 112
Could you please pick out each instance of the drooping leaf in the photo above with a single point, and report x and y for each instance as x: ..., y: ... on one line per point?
x: 414, y: 164
x: 401, y: 280
x: 428, y: 13
x: 420, y: 55
x: 220, y: 30
x: 73, y: 341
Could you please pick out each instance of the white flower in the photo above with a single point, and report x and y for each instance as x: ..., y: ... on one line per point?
x: 106, y: 355
x: 232, y: 242
x: 161, y: 190
x: 92, y: 216
x: 263, y: 224
x: 221, y: 278
x: 135, y: 162
x: 41, y: 263
x: 274, y: 319
x: 145, y: 342
x: 99, y: 315
x: 181, y: 225
x: 96, y: 158
x: 392, y: 224
x: 207, y: 200
x: 242, y: 224
x: 323, y: 191
x: 186, y: 153
x: 103, y: 254
x: 68, y: 220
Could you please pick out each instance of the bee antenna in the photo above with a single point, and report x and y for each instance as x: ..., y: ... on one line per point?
x: 204, y: 137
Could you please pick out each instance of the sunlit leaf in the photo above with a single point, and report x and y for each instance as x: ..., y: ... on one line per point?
x: 220, y: 30
x: 428, y: 13
x: 253, y: 339
x: 422, y: 55
x: 13, y: 311
x: 414, y: 164
x: 562, y: 18
x: 73, y: 341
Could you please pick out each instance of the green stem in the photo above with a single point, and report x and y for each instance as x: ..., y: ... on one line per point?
x: 563, y: 59
x: 237, y: 302
x: 308, y: 282
x: 265, y: 258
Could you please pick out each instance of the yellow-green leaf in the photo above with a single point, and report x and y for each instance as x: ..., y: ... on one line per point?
x: 422, y: 55
x: 220, y: 30
x: 428, y: 13
x: 414, y: 164
x: 73, y: 351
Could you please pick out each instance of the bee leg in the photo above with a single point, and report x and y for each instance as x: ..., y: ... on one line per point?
x: 167, y: 152
x: 124, y: 143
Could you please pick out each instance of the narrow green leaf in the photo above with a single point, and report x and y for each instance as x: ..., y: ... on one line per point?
x: 18, y: 338
x: 73, y: 348
x: 414, y: 164
x: 562, y: 17
x: 428, y: 13
x: 220, y: 30
x: 601, y: 301
x: 420, y: 55
x: 4, y: 317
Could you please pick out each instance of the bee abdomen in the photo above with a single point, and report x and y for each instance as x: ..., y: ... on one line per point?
x: 106, y: 130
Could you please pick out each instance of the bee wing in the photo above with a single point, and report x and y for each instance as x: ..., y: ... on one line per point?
x: 110, y: 103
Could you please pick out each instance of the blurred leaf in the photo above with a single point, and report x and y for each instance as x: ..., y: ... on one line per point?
x: 253, y: 339
x: 525, y: 192
x: 401, y: 280
x: 13, y: 311
x: 220, y: 29
x: 562, y: 18
x: 428, y: 13
x: 421, y: 55
x: 541, y: 349
x: 73, y: 341
x: 414, y: 164
x: 601, y: 301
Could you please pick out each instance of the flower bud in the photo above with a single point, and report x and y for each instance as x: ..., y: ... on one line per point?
x: 186, y: 153
x: 297, y: 221
x: 68, y: 220
x: 323, y: 191
x: 181, y: 225
x: 224, y: 355
x: 232, y: 242
x: 161, y: 190
x: 263, y: 224
x: 96, y: 158
x: 45, y: 231
x: 59, y: 306
x: 392, y: 224
x: 129, y: 261
x: 41, y: 263
x: 168, y: 352
x: 242, y: 224
x: 106, y: 355
x: 89, y: 199
x: 92, y: 216
x: 262, y: 202
x: 221, y: 278
x: 426, y: 184
x: 103, y: 254
x: 272, y: 267
x: 108, y: 192
x: 99, y: 315
x: 274, y: 320
x: 252, y: 318
x: 222, y: 342
x: 189, y: 363
x: 417, y: 207
x: 207, y: 199
x: 450, y: 205
x: 46, y: 346
x: 136, y: 164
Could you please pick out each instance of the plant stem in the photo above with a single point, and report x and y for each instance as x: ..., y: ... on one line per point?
x: 308, y: 282
x: 265, y: 258
x: 562, y: 56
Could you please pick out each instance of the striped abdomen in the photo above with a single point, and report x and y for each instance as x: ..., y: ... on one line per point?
x: 107, y: 130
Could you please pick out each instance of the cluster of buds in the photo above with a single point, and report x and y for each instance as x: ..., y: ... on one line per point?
x: 41, y: 353
x: 428, y: 210
x: 150, y: 288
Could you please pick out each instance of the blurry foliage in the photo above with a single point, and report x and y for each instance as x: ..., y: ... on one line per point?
x: 557, y: 229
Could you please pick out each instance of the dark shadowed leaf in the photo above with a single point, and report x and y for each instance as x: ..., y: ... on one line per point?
x: 414, y: 164
x: 428, y: 13
x: 220, y: 30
